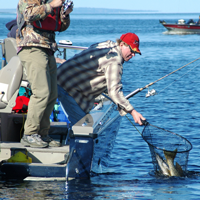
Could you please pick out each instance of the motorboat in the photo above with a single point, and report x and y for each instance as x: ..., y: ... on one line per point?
x: 86, y: 148
x: 182, y: 27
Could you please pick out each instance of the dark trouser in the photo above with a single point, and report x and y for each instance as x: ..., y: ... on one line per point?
x: 73, y: 110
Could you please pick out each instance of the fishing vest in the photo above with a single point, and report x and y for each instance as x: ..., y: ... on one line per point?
x: 51, y: 23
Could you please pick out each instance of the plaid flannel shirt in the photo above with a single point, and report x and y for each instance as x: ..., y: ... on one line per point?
x: 93, y: 71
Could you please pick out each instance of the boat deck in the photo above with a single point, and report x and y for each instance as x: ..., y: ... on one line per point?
x: 10, y: 124
x: 47, y: 163
x: 38, y: 155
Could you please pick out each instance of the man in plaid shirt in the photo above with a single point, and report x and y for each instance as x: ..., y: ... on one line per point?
x: 97, y: 69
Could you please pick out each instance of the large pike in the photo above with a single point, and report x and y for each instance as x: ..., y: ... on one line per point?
x: 168, y: 168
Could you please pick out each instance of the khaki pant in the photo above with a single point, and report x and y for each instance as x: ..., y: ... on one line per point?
x: 41, y: 71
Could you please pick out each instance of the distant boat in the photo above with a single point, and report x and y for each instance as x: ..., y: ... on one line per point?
x: 182, y: 27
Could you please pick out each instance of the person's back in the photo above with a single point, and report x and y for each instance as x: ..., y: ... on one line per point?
x: 198, y: 22
x: 84, y: 75
x: 94, y: 71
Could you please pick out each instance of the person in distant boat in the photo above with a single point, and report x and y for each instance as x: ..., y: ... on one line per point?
x: 37, y: 23
x: 190, y: 21
x: 198, y: 22
x: 93, y: 71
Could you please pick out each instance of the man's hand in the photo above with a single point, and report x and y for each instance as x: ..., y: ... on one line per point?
x: 59, y: 60
x: 68, y: 11
x: 137, y: 117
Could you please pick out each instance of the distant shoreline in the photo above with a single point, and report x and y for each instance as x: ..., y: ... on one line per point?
x: 100, y: 11
x: 88, y: 10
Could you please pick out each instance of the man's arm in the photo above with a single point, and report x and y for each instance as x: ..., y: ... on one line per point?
x: 33, y: 10
x: 113, y: 77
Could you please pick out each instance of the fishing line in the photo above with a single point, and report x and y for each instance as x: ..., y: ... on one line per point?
x: 175, y: 71
x: 153, y: 93
x: 177, y: 79
x: 125, y: 115
x: 140, y: 89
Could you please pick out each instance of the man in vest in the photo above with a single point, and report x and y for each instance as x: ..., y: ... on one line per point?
x: 37, y: 23
x: 93, y: 71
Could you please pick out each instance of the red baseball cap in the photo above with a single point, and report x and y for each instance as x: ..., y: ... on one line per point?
x: 132, y: 40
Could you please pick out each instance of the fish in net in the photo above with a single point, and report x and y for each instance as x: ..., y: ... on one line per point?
x: 169, y: 151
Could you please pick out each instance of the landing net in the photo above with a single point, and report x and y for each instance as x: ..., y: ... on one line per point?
x: 160, y: 140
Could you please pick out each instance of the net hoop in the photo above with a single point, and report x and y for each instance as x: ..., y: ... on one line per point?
x: 168, y: 132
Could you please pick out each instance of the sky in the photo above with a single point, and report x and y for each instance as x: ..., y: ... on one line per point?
x: 164, y: 6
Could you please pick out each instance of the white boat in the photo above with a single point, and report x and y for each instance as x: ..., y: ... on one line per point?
x: 91, y: 139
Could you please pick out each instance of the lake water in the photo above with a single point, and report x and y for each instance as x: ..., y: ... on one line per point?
x: 176, y: 107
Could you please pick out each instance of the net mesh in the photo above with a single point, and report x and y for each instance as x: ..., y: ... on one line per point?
x: 161, y: 140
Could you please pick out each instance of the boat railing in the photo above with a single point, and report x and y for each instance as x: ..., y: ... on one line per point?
x: 62, y: 49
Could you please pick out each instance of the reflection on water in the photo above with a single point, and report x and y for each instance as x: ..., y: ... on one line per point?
x: 110, y: 186
x: 31, y: 190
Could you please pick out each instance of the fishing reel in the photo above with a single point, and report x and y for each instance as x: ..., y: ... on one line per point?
x: 67, y: 4
x: 150, y: 93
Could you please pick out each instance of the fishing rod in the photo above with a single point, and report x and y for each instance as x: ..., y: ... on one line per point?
x: 153, y: 92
